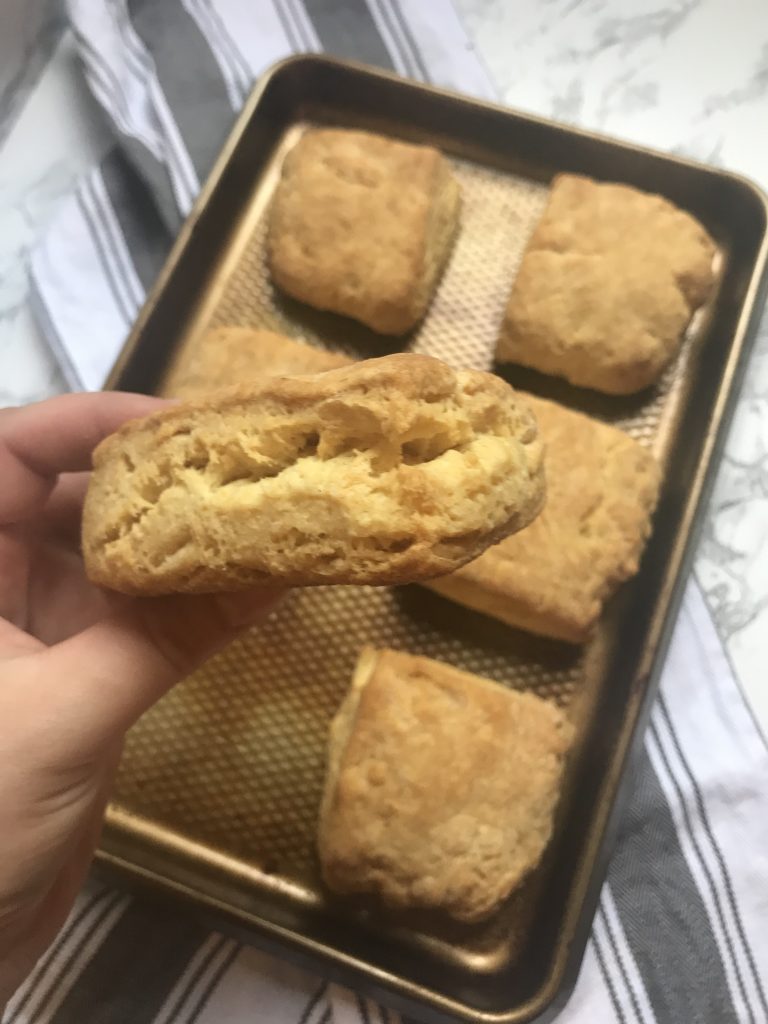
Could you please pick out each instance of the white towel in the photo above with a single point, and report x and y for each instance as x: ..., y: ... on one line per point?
x: 681, y: 933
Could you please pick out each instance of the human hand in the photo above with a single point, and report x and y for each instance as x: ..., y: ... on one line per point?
x: 78, y: 666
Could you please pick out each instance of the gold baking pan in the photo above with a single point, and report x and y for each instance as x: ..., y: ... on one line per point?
x: 218, y: 793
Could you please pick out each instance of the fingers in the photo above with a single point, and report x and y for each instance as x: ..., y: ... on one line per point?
x: 40, y: 441
x: 95, y: 685
x: 62, y: 513
x: 16, y: 642
x: 60, y: 600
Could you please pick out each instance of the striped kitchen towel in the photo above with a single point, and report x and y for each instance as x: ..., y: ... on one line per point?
x: 681, y: 933
x: 171, y: 75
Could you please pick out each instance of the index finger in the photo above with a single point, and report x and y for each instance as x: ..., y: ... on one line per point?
x: 39, y: 441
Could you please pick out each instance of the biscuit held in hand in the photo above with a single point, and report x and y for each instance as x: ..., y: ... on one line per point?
x: 441, y: 786
x: 386, y: 471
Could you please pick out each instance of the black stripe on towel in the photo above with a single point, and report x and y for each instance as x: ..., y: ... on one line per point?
x: 131, y: 974
x: 662, y: 912
x: 145, y: 234
x: 348, y: 30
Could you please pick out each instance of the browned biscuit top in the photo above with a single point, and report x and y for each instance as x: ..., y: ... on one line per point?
x: 383, y: 471
x: 441, y: 786
x: 594, y: 318
x: 224, y: 356
x: 607, y: 286
x: 586, y: 216
x: 554, y: 576
x: 362, y: 225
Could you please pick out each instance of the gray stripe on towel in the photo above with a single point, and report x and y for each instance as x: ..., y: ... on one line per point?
x: 189, y: 76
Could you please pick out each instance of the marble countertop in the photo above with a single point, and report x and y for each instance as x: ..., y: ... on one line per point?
x: 688, y: 76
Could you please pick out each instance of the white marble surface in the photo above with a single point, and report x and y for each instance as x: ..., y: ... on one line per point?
x: 681, y: 75
x: 56, y: 136
x: 686, y: 75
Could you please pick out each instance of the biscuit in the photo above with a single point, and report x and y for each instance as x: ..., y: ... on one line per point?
x: 607, y: 286
x: 363, y: 225
x: 554, y: 577
x: 386, y: 471
x: 441, y: 786
x: 224, y: 356
x: 587, y: 216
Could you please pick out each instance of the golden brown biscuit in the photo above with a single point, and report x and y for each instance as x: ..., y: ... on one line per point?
x: 363, y: 225
x: 554, y: 577
x: 441, y: 786
x: 224, y: 356
x: 607, y: 286
x: 594, y: 320
x: 587, y: 216
x: 385, y: 471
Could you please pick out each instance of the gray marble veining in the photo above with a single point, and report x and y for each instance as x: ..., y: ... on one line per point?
x: 688, y: 76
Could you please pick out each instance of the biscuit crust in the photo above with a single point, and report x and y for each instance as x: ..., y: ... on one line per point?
x: 224, y: 356
x: 363, y: 225
x: 441, y: 786
x: 607, y: 286
x: 385, y: 471
x: 554, y: 577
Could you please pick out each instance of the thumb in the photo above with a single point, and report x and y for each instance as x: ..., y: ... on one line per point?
x: 96, y: 684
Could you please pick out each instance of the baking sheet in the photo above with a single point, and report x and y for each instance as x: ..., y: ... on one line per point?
x: 219, y: 787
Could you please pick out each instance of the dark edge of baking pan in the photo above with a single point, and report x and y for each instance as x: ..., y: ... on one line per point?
x: 340, y: 92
